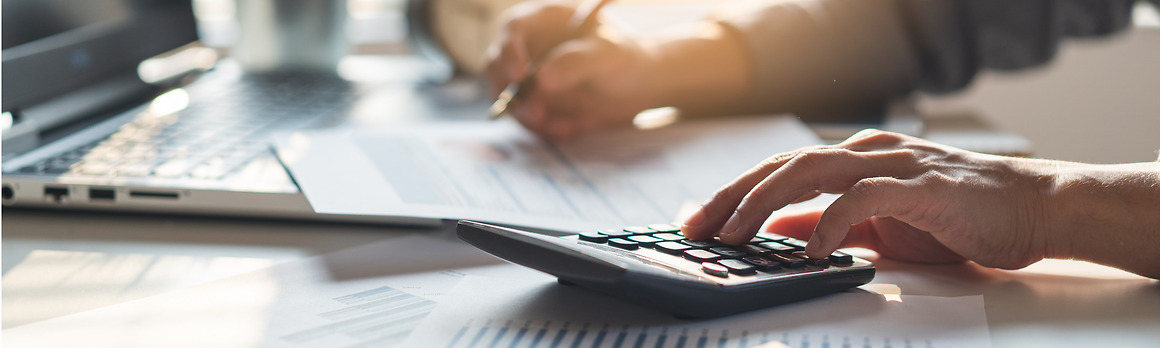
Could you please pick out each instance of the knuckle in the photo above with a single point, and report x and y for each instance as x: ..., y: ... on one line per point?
x: 871, y: 186
x: 934, y: 178
x: 513, y: 20
x: 866, y: 133
x: 872, y: 136
x: 814, y: 159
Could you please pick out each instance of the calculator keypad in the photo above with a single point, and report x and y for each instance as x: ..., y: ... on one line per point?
x: 766, y: 254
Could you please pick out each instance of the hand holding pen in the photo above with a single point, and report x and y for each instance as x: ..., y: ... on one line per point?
x: 560, y: 71
x: 583, y: 20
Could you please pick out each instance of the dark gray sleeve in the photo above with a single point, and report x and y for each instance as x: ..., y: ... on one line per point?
x: 830, y: 56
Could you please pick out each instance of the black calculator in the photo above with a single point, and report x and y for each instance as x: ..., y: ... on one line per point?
x: 657, y: 266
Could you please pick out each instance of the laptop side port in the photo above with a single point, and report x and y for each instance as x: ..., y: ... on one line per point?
x: 153, y: 194
x: 56, y: 194
x: 102, y: 194
x: 9, y: 193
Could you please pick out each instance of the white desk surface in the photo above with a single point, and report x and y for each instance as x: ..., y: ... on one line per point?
x: 59, y: 263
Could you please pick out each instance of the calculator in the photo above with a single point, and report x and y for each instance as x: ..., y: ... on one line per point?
x: 657, y: 266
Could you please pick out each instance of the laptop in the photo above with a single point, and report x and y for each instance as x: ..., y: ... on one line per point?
x: 82, y: 131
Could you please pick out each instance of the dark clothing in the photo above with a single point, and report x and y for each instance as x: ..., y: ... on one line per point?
x: 834, y: 56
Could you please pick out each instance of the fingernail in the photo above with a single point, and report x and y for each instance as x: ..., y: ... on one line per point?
x: 813, y: 246
x: 730, y: 227
x: 696, y: 220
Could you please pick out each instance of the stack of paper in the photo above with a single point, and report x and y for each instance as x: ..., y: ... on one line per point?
x: 499, y: 172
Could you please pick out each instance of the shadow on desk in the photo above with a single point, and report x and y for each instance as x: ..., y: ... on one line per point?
x: 1058, y: 293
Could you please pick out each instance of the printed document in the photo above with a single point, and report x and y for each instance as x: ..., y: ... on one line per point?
x: 367, y: 296
x: 488, y: 312
x: 499, y: 172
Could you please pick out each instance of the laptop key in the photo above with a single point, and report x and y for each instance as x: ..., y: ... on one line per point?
x: 56, y: 171
x: 31, y: 169
x: 173, y: 168
x: 135, y: 169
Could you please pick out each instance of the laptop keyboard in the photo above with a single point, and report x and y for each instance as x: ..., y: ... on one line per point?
x: 224, y: 127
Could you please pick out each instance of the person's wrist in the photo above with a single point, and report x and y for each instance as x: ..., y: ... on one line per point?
x: 1058, y: 201
x: 1047, y: 207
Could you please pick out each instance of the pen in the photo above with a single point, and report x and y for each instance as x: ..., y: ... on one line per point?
x: 582, y: 19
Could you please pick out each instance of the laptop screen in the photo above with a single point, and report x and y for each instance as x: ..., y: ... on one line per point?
x: 53, y: 47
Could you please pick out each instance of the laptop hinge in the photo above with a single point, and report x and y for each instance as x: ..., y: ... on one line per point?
x: 83, y: 105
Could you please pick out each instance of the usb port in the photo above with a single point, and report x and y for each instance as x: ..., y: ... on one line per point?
x: 103, y: 194
x: 55, y: 194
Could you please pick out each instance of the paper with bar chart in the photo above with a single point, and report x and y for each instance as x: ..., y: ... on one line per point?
x: 486, y: 312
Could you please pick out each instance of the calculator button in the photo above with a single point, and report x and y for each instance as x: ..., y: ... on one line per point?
x: 777, y: 247
x: 623, y: 243
x: 763, y: 264
x: 737, y: 267
x: 707, y: 243
x: 728, y: 252
x: 758, y: 240
x: 812, y: 261
x: 639, y: 230
x: 752, y: 250
x: 669, y: 236
x: 841, y: 258
x: 593, y: 237
x: 673, y: 248
x: 788, y: 261
x: 769, y: 237
x: 670, y: 228
x: 615, y: 232
x: 714, y: 269
x: 645, y: 240
x: 701, y: 255
x: 796, y: 243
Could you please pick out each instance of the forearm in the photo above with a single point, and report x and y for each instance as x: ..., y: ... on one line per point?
x: 826, y: 59
x: 707, y: 71
x: 1108, y: 214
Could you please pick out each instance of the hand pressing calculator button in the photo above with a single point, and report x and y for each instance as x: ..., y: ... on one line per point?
x: 689, y: 278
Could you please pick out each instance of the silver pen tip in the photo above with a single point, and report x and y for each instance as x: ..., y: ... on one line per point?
x: 502, y: 102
